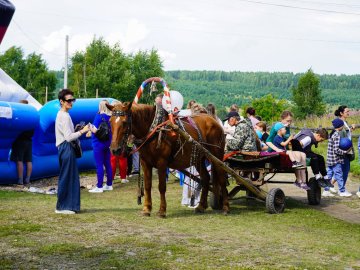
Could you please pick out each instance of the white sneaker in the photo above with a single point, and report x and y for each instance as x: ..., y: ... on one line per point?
x: 124, y: 181
x: 107, y: 188
x: 96, y: 190
x: 345, y: 194
x: 358, y: 194
x: 66, y: 212
x: 327, y: 193
x: 333, y: 190
x: 193, y: 206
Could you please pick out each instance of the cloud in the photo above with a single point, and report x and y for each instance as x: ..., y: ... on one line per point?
x: 129, y: 40
x: 56, y: 39
x: 79, y: 42
x: 167, y: 57
x: 339, y: 19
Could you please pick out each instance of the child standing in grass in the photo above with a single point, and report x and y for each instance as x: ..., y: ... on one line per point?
x: 335, y: 159
x: 297, y: 158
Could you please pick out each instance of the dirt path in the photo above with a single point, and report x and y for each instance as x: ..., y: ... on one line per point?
x: 347, y: 209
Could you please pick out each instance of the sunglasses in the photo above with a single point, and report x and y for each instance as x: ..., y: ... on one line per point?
x: 70, y: 100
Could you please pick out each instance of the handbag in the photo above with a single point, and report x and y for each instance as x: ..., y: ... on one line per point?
x: 77, y: 148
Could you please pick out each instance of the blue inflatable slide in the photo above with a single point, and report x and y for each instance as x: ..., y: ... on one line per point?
x: 16, y: 118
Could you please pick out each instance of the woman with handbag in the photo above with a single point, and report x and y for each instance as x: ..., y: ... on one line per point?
x: 343, y: 112
x: 69, y: 182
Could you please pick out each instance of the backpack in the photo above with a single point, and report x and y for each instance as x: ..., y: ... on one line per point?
x: 103, y: 132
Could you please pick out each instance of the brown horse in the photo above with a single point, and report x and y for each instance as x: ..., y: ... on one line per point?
x: 171, y: 151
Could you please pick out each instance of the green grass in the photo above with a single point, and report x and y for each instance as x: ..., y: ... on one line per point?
x: 110, y: 233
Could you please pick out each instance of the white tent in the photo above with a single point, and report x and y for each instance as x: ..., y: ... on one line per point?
x: 11, y: 91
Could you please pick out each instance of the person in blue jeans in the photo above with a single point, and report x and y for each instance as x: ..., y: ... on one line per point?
x: 343, y: 112
x: 102, y: 151
x: 335, y: 160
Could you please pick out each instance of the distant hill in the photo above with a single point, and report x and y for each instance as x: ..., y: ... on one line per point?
x: 226, y: 88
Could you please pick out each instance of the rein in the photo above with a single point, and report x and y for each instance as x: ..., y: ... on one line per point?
x: 155, y: 129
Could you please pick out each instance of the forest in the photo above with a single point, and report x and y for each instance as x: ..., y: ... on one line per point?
x: 226, y: 88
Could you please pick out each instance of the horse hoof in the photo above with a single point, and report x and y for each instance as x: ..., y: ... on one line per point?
x: 225, y: 213
x: 199, y: 210
x: 161, y: 214
x: 145, y: 214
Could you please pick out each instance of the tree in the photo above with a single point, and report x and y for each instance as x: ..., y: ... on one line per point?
x: 111, y: 71
x: 307, y: 96
x: 31, y: 73
x: 13, y: 63
x: 38, y: 77
x: 269, y: 108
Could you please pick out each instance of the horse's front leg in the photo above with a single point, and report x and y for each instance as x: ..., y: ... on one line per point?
x: 147, y: 189
x: 162, y: 189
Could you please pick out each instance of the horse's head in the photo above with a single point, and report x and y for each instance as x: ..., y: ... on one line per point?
x: 120, y: 125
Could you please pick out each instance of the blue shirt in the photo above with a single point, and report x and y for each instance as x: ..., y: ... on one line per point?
x: 272, y: 135
x: 277, y: 142
x: 96, y: 143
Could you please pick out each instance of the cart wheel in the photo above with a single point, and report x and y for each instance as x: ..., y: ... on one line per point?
x: 314, y: 194
x: 215, y: 204
x: 275, y: 201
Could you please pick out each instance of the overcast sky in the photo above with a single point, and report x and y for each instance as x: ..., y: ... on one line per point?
x: 230, y: 35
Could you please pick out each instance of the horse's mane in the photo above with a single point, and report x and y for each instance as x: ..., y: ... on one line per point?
x: 144, y: 114
x: 142, y: 111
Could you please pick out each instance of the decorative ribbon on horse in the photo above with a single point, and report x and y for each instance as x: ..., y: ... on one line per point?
x: 166, y: 94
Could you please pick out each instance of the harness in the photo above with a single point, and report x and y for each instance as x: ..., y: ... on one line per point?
x: 123, y: 143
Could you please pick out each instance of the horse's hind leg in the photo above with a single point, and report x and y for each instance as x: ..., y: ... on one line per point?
x: 162, y: 190
x: 205, y: 179
x: 219, y: 177
x: 147, y: 189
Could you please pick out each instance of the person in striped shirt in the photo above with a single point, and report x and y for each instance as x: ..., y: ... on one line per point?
x: 335, y: 159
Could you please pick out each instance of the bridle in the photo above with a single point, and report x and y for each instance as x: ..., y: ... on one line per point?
x: 123, y: 143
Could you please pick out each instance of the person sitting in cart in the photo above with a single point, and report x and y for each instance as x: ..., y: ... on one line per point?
x: 286, y: 120
x: 244, y: 138
x: 230, y: 122
x: 298, y: 159
x: 303, y: 141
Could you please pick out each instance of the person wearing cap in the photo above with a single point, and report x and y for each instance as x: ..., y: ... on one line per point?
x: 230, y: 123
x: 297, y: 158
x: 335, y: 159
x: 244, y: 137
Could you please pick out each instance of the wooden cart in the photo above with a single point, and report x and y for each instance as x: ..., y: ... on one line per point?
x: 259, y: 168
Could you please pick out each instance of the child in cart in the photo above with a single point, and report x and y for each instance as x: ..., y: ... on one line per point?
x: 303, y: 141
x: 297, y: 158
